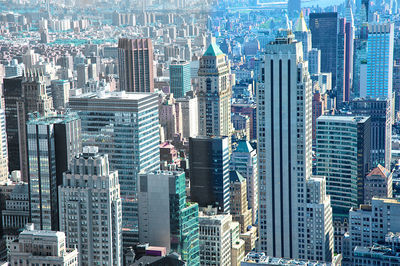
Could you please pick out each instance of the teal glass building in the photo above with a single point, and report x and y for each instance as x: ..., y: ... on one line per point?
x: 180, y: 79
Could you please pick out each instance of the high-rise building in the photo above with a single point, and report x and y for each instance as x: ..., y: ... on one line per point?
x: 214, y: 94
x: 285, y: 154
x: 34, y: 99
x: 215, y: 238
x: 303, y: 35
x: 342, y: 150
x: 126, y: 127
x: 190, y: 116
x: 135, y: 58
x: 239, y: 207
x: 89, y: 195
x: 37, y: 247
x: 349, y: 54
x: 209, y: 172
x: 12, y: 91
x: 179, y: 78
x: 379, y: 61
x: 244, y: 160
x: 52, y: 143
x: 324, y: 29
x: 3, y: 145
x: 381, y: 128
x: 166, y: 219
x: 60, y: 93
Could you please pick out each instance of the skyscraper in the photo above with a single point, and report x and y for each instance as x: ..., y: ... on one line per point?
x: 381, y: 128
x: 349, y: 55
x: 89, y: 195
x: 238, y: 199
x: 165, y: 217
x: 303, y: 35
x: 126, y: 127
x: 244, y: 160
x: 179, y: 78
x: 324, y: 29
x: 12, y: 91
x: 379, y: 61
x: 340, y: 61
x: 294, y: 7
x: 209, y: 172
x: 52, y: 143
x: 284, y: 155
x: 214, y: 94
x: 342, y: 150
x: 34, y: 99
x: 135, y: 58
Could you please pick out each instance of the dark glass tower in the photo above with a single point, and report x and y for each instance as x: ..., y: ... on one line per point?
x: 324, y: 30
x: 209, y: 172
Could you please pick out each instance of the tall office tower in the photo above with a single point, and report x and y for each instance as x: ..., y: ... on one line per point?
x: 214, y: 94
x: 12, y: 91
x: 343, y: 156
x: 349, y: 55
x: 33, y: 98
x: 125, y: 126
x: 344, y: 159
x: 179, y: 77
x: 60, y: 93
x: 3, y: 145
x: 294, y: 7
x: 52, y: 143
x: 303, y: 35
x: 284, y: 150
x: 215, y: 238
x: 360, y: 61
x: 83, y: 75
x: 340, y: 61
x: 36, y: 247
x: 135, y: 58
x: 30, y: 58
x: 97, y: 237
x: 209, y: 172
x: 190, y: 116
x: 314, y: 61
x: 318, y: 109
x: 166, y: 219
x: 324, y: 29
x: 244, y: 160
x: 381, y: 128
x: 379, y: 61
x: 239, y: 207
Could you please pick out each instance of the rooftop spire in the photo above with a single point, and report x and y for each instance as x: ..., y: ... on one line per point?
x: 301, y: 24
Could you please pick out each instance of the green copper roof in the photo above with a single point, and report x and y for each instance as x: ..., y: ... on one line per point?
x: 213, y: 50
x: 301, y: 25
x: 235, y: 176
x: 243, y: 146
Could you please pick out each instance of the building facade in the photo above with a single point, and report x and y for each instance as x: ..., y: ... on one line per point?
x: 209, y: 172
x: 166, y: 218
x: 52, y: 143
x: 135, y: 61
x: 126, y: 127
x: 214, y: 94
x: 90, y: 211
x: 179, y: 78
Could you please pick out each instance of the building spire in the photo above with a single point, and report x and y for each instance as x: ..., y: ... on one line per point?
x: 301, y: 24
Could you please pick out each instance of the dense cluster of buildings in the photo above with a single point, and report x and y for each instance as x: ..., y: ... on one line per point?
x: 199, y: 133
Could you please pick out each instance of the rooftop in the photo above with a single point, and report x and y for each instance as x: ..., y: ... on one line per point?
x: 301, y: 25
x: 120, y: 95
x: 379, y: 171
x: 213, y: 50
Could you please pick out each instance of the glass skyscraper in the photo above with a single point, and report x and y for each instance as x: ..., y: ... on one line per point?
x: 125, y: 126
x: 52, y: 143
x: 179, y: 78
x: 209, y: 172
x: 379, y: 60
